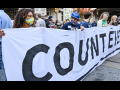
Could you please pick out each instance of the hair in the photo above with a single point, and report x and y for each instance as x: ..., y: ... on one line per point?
x: 101, y: 17
x: 113, y: 19
x: 87, y: 15
x: 46, y: 15
x: 67, y: 20
x: 39, y: 15
x: 21, y: 17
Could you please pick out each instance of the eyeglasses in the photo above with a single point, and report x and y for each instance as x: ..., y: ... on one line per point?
x: 30, y: 16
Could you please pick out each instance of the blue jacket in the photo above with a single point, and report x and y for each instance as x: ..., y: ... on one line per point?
x: 86, y: 24
x: 69, y: 25
x: 94, y: 24
x: 5, y: 21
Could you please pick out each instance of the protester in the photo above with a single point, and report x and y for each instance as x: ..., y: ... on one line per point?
x: 73, y: 24
x: 5, y: 22
x: 113, y: 20
x: 50, y: 23
x: 86, y: 22
x: 103, y: 20
x: 67, y: 20
x: 46, y: 18
x: 40, y: 22
x: 24, y: 19
x: 78, y: 22
x: 94, y: 24
x: 81, y: 22
x: 63, y: 23
x: 58, y: 24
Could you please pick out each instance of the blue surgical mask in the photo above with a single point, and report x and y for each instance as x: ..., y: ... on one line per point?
x: 116, y: 19
x: 52, y: 19
x: 73, y: 22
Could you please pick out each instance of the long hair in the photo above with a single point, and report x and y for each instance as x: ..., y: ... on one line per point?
x: 21, y: 17
x: 113, y: 19
x: 101, y: 17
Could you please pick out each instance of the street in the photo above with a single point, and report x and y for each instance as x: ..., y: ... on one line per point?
x: 108, y: 71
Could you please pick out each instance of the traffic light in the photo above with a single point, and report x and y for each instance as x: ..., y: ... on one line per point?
x: 55, y: 9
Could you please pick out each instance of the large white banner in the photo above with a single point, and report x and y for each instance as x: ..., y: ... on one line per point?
x: 43, y: 54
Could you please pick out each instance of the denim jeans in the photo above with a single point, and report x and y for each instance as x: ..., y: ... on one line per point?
x: 1, y: 63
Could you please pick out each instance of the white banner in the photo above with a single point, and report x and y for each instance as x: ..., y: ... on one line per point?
x: 43, y: 54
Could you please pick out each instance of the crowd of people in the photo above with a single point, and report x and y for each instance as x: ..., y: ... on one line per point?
x: 25, y: 18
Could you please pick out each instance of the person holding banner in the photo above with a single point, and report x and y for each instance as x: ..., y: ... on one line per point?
x: 5, y: 22
x: 114, y: 20
x: 103, y: 20
x: 73, y: 23
x: 24, y: 19
x: 86, y: 22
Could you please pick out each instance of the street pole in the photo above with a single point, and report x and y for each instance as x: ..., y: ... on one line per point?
x: 57, y: 14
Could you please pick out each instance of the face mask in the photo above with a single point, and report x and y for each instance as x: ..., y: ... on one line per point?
x: 52, y: 19
x: 105, y: 19
x: 73, y: 22
x: 116, y: 19
x: 30, y: 21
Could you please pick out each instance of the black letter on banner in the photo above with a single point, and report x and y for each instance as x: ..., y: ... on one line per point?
x: 93, y: 44
x: 27, y: 64
x: 110, y: 39
x: 102, y: 36
x: 58, y: 67
x: 115, y: 39
x: 83, y: 62
x: 118, y: 37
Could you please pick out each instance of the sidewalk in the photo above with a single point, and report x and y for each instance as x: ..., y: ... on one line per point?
x: 108, y: 71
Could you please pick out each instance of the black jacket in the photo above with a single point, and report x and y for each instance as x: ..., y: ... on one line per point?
x: 47, y: 23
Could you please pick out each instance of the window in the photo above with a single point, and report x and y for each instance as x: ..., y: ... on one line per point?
x: 62, y: 15
x: 48, y: 11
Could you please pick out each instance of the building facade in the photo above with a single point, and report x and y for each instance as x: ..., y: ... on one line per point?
x: 62, y: 13
x: 59, y: 15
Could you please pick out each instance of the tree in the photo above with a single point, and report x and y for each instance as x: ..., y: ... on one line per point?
x: 82, y: 11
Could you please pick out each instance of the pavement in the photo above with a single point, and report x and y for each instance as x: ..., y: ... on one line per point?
x: 108, y: 71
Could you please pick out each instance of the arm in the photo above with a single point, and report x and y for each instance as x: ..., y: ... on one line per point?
x: 64, y: 26
x: 0, y: 23
x: 99, y: 24
x: 37, y: 24
x: 1, y: 33
x: 44, y: 24
x: 107, y: 25
x: 82, y: 28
